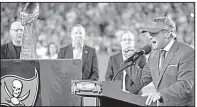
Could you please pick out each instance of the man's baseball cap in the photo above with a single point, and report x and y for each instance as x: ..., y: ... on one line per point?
x: 156, y: 27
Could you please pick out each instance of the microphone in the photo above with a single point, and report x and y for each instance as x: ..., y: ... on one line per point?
x: 135, y: 56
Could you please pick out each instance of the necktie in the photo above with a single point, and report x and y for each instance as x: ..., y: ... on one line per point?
x: 162, y: 58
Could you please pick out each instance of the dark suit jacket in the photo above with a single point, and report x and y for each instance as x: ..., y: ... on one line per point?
x: 176, y: 79
x: 114, y: 64
x: 8, y: 51
x: 89, y: 61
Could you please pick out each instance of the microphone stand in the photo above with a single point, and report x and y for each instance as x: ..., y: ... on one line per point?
x: 130, y: 64
x: 134, y: 59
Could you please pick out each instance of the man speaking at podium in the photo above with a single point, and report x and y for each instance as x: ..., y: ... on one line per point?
x: 170, y: 66
x: 115, y: 61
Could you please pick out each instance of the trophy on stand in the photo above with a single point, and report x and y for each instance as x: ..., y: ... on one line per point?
x: 28, y: 14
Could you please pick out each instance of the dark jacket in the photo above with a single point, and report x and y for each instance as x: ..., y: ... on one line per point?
x: 114, y: 64
x: 8, y: 51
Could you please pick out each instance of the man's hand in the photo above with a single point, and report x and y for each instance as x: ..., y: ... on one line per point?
x: 152, y: 97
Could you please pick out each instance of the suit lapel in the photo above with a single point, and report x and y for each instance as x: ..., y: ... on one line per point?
x: 120, y: 58
x: 120, y: 61
x: 84, y: 54
x: 12, y: 50
x: 168, y: 59
x: 69, y: 53
x: 155, y: 68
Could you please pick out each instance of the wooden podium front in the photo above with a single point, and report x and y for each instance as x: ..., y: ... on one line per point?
x: 109, y: 93
x: 56, y: 76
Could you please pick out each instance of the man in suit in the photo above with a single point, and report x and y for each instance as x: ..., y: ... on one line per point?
x: 115, y: 62
x: 78, y: 50
x: 170, y: 66
x: 12, y: 49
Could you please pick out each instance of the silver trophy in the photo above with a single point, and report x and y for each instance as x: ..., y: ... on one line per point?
x: 28, y: 14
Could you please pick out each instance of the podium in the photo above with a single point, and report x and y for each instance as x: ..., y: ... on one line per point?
x: 109, y: 93
x: 56, y: 76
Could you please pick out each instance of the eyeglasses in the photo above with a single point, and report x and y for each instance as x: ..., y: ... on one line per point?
x: 16, y: 30
x: 129, y: 40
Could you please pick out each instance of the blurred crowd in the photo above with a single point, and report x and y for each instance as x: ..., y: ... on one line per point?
x: 104, y: 22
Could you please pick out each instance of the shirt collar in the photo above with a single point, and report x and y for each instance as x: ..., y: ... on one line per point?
x: 80, y: 46
x: 167, y: 48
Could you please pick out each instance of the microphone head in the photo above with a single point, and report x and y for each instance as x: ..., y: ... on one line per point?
x: 146, y: 49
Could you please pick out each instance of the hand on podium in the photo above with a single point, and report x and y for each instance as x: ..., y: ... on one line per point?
x: 152, y: 97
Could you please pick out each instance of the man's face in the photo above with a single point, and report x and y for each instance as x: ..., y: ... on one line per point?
x: 127, y: 41
x: 157, y: 39
x: 77, y: 35
x: 16, y: 31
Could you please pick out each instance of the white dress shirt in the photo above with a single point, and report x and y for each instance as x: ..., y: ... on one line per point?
x: 167, y: 48
x: 77, y: 53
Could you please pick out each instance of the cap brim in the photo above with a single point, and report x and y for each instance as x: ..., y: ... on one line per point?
x: 152, y: 30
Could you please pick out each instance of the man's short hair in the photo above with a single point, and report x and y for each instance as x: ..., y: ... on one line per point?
x: 128, y: 32
x: 78, y: 25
